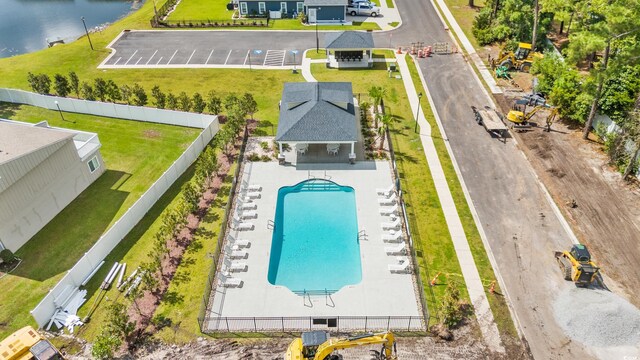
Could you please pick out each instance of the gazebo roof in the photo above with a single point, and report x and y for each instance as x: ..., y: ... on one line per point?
x: 317, y: 111
x: 349, y: 40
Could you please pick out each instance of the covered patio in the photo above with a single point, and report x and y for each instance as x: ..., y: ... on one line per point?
x: 349, y: 49
x: 318, y: 122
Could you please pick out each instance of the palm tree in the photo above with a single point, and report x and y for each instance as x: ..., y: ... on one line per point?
x: 386, y: 122
x: 377, y: 93
x: 364, y: 106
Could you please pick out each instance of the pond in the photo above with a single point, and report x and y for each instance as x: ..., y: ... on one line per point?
x: 27, y: 25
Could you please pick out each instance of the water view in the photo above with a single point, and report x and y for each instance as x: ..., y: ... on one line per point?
x: 27, y: 25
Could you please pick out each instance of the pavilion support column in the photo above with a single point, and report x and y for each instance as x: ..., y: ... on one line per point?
x: 352, y: 154
x: 280, y: 154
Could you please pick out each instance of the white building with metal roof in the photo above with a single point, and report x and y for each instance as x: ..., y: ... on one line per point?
x: 42, y: 169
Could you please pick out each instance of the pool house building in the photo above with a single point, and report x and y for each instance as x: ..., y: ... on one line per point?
x: 318, y: 121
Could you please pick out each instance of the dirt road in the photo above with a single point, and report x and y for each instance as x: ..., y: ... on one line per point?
x: 607, y: 216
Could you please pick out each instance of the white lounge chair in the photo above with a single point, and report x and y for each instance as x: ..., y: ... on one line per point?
x: 392, y: 225
x: 239, y: 254
x: 389, y: 210
x: 253, y: 188
x: 402, y: 265
x: 389, y: 200
x: 392, y: 238
x: 394, y: 250
x: 249, y: 214
x: 242, y: 226
x: 247, y: 206
x: 387, y: 192
x: 232, y: 266
x: 242, y: 244
x: 252, y: 195
x: 228, y: 281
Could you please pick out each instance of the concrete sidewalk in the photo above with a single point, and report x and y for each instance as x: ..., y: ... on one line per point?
x: 463, y: 252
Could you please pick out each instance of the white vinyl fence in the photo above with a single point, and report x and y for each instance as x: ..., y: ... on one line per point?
x: 110, y: 239
x: 609, y: 127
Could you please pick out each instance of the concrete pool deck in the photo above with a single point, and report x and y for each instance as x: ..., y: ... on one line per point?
x: 380, y: 293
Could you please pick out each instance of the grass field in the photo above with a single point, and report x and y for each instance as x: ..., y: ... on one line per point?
x: 126, y: 149
x: 464, y: 16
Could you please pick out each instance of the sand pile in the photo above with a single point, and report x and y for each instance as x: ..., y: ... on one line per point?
x: 598, y: 318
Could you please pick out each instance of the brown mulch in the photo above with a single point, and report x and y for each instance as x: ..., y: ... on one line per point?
x: 143, y: 309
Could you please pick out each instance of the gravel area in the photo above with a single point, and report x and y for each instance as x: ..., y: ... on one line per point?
x: 598, y: 318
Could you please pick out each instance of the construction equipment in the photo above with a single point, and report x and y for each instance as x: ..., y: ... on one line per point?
x: 316, y: 345
x: 26, y: 344
x: 551, y: 118
x: 521, y: 59
x: 576, y: 265
x: 520, y: 119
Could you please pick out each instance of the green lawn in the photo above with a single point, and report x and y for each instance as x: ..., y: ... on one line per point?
x: 201, y: 10
x: 390, y: 5
x: 295, y: 24
x: 126, y: 146
x: 464, y: 16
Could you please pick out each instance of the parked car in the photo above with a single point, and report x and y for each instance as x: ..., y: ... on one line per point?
x: 365, y: 2
x: 363, y: 10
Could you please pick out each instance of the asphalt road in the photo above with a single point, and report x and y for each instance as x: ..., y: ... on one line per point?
x: 521, y: 227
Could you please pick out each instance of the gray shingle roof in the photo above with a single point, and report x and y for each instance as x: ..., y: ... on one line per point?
x: 326, y: 2
x: 349, y: 40
x: 317, y: 111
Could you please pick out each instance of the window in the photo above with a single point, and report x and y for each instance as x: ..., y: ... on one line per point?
x: 262, y: 8
x: 300, y: 7
x: 94, y: 164
x: 283, y: 7
x: 243, y: 8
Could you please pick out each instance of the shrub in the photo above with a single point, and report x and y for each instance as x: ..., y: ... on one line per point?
x: 266, y: 158
x: 253, y: 157
x: 264, y: 145
x: 7, y: 256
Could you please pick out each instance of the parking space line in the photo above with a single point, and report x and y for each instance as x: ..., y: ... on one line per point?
x: 211, y: 53
x: 154, y: 54
x: 116, y: 63
x: 138, y: 60
x: 159, y: 60
x: 246, y: 57
x: 174, y: 54
x: 283, y: 57
x: 194, y: 51
x: 127, y: 63
x: 225, y: 62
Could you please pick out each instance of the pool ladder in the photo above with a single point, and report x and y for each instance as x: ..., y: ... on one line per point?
x: 271, y: 225
x: 362, y: 235
x: 306, y: 295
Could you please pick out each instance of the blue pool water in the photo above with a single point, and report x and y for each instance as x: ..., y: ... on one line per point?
x: 315, y: 241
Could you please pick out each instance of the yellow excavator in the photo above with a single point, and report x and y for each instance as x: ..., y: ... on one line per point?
x: 576, y: 265
x: 520, y: 119
x: 316, y: 345
x: 27, y: 344
x: 521, y: 59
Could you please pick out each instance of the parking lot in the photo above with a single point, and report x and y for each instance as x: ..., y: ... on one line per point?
x: 166, y: 49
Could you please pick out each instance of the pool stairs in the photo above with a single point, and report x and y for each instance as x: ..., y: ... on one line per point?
x: 307, y: 296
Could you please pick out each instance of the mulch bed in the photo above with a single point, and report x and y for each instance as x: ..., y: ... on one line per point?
x: 6, y: 268
x: 143, y: 309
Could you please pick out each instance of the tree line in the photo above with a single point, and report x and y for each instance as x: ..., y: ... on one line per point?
x: 107, y: 90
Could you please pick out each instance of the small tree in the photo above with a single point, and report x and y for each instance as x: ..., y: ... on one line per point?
x: 198, y: 103
x: 61, y: 85
x: 249, y: 104
x: 100, y: 89
x: 32, y: 79
x: 105, y: 344
x: 386, y: 122
x: 74, y: 83
x: 113, y: 91
x: 125, y: 93
x: 139, y: 95
x: 184, y: 102
x: 214, y: 103
x: 87, y: 91
x: 160, y: 99
x: 451, y: 313
x: 191, y: 196
x: 44, y: 82
x: 172, y: 101
x: 230, y: 101
x: 118, y: 321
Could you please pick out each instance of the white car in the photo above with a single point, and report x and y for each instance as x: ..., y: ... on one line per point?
x: 363, y: 10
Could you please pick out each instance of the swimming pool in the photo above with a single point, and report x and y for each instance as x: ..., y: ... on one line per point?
x: 315, y: 239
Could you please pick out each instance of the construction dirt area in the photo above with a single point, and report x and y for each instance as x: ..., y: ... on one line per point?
x: 464, y: 346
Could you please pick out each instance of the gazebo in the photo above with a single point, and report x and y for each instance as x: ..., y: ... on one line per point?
x: 320, y: 115
x: 349, y: 49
